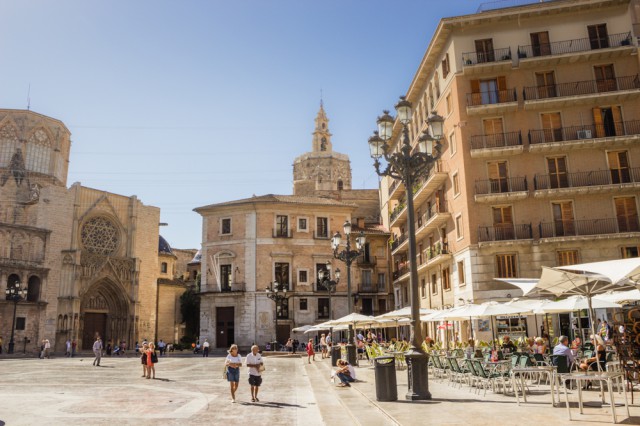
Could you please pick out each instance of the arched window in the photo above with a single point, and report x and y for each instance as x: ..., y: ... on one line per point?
x: 33, y: 290
x: 340, y: 185
x: 163, y: 267
x: 11, y: 281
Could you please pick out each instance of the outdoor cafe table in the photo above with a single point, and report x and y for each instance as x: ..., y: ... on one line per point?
x: 519, y: 373
x: 602, y: 377
x: 498, y: 365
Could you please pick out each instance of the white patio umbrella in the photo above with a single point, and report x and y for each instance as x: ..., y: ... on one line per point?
x: 576, y: 303
x: 302, y: 329
x: 579, y: 280
x: 353, y: 319
x: 527, y: 285
x: 620, y: 296
x: 532, y: 305
x: 399, y: 315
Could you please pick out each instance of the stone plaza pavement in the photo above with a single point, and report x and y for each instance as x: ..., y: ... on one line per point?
x: 189, y: 390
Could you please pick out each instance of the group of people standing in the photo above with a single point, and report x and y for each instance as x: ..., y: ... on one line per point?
x: 148, y: 359
x: 232, y: 365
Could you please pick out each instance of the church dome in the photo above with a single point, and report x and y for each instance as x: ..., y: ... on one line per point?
x: 163, y: 246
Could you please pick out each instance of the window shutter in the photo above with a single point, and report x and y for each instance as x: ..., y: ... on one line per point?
x: 597, y: 122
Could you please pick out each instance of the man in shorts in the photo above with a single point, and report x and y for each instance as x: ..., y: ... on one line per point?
x: 254, y: 362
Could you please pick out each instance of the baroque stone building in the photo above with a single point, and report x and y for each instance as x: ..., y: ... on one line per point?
x: 250, y: 243
x: 89, y: 258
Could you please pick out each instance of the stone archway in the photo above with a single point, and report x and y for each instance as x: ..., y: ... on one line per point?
x: 104, y: 310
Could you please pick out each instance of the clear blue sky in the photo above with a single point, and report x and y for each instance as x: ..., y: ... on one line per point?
x: 188, y: 103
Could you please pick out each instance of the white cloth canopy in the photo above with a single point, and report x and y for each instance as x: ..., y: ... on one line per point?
x: 616, y: 271
x: 524, y: 284
x: 403, y: 313
x: 302, y: 329
x: 575, y: 303
x: 620, y: 296
x: 353, y: 319
x: 533, y: 305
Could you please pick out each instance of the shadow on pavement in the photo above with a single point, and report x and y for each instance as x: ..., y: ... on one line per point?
x: 271, y: 405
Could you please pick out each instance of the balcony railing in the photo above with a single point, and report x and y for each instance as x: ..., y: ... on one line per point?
x: 230, y: 288
x: 399, y: 208
x: 572, y: 228
x: 498, y: 140
x: 495, y: 55
x: 500, y: 186
x: 505, y: 232
x: 587, y: 131
x: 584, y: 179
x: 281, y: 233
x: 431, y: 253
x: 371, y: 288
x: 393, y: 186
x: 491, y: 97
x: 403, y: 268
x: 574, y: 46
x: 396, y: 243
x: 366, y: 260
x: 577, y: 88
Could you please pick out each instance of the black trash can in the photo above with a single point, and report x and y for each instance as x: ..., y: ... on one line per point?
x: 386, y: 385
x: 336, y: 354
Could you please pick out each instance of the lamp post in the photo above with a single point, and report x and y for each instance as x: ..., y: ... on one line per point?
x: 324, y: 279
x: 276, y: 292
x: 16, y: 294
x: 348, y: 256
x: 407, y: 165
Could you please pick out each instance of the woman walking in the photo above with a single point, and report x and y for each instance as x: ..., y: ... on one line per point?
x: 151, y: 360
x: 323, y: 346
x: 310, y: 351
x: 143, y: 358
x: 233, y: 363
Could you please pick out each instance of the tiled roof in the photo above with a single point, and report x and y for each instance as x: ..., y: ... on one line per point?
x: 288, y: 199
x: 370, y: 229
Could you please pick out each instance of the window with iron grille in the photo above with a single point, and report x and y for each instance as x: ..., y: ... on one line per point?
x: 322, y: 227
x: 506, y: 266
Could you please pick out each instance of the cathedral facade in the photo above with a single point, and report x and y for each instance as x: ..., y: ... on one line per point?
x: 88, y: 258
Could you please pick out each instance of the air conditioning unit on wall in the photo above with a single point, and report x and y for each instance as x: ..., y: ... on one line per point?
x: 584, y: 134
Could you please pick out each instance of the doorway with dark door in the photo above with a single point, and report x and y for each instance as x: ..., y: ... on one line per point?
x: 95, y: 324
x: 283, y: 333
x: 224, y: 327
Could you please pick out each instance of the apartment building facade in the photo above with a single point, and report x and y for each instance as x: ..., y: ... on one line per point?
x: 541, y: 155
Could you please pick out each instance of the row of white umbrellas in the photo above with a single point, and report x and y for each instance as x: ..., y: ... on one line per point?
x: 589, y: 286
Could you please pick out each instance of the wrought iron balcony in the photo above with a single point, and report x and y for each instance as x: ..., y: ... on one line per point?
x: 580, y: 88
x: 586, y: 131
x: 586, y: 179
x: 366, y: 260
x: 403, y: 269
x: 495, y: 55
x: 231, y: 288
x: 491, y: 97
x: 574, y: 46
x: 505, y: 232
x: 501, y: 186
x: 396, y: 243
x: 497, y: 140
x: 574, y: 228
x: 371, y: 288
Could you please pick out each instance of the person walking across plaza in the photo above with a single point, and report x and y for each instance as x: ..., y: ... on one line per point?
x: 152, y: 358
x: 47, y: 348
x: 205, y: 348
x: 67, y: 352
x: 323, y: 346
x: 233, y: 362
x: 310, y: 351
x: 97, y: 351
x: 161, y: 346
x: 255, y: 364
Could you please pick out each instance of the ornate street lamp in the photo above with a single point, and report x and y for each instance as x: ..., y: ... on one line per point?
x: 16, y: 294
x: 324, y: 279
x: 407, y: 164
x: 276, y: 292
x: 348, y: 256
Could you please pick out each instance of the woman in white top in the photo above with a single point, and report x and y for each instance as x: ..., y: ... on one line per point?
x: 254, y: 362
x: 233, y: 363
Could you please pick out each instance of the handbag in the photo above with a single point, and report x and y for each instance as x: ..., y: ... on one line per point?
x: 261, y: 368
x: 154, y: 357
x: 224, y: 373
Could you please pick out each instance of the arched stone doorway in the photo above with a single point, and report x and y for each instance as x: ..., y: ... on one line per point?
x: 104, y: 311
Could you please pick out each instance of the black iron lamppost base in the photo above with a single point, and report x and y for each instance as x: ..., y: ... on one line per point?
x: 418, y: 375
x: 352, y: 357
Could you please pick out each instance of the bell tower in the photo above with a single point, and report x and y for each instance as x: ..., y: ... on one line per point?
x: 322, y: 170
x: 321, y: 137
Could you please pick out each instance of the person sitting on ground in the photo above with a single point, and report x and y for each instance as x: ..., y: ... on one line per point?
x: 346, y: 373
x: 508, y: 345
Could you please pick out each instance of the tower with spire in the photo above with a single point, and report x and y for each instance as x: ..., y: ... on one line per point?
x: 321, y: 169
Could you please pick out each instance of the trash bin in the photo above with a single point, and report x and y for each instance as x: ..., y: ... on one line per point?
x: 386, y: 385
x: 335, y: 354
